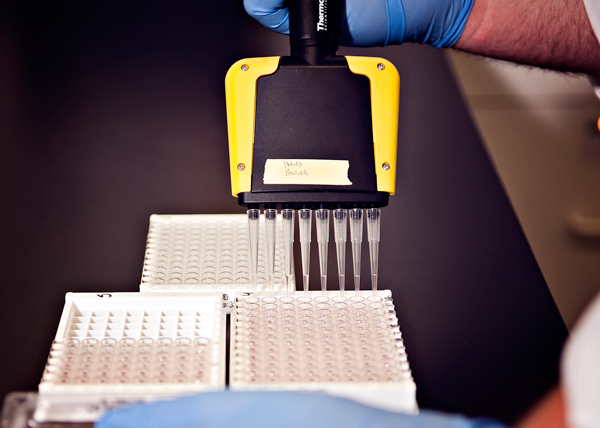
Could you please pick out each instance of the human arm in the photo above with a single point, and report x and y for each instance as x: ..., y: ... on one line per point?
x: 554, y: 34
x: 548, y: 33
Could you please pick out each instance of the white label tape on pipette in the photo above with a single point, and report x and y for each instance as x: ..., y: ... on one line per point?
x: 307, y: 171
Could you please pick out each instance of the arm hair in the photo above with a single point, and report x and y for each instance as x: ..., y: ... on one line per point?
x: 552, y: 34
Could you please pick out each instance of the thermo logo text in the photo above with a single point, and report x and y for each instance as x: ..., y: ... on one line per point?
x: 322, y: 23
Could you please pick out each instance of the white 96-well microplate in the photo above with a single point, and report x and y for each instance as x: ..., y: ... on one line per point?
x: 348, y: 346
x: 112, y: 348
x: 204, y: 252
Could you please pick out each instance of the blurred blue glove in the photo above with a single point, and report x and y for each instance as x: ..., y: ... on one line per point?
x: 382, y: 22
x: 274, y: 410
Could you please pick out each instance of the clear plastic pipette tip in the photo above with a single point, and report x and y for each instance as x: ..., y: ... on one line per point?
x: 305, y: 282
x: 373, y: 233
x: 253, y: 223
x: 356, y: 233
x: 340, y: 229
x: 322, y: 217
x: 304, y: 223
x: 287, y: 216
x: 271, y: 236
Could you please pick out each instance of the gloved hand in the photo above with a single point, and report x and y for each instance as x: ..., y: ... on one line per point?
x: 382, y: 22
x: 274, y: 410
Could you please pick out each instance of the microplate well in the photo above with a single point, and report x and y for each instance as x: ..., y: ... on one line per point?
x: 206, y: 252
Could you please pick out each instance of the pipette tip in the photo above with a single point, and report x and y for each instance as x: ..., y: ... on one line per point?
x: 305, y: 283
x: 342, y: 281
x: 253, y: 224
x: 323, y: 283
x: 271, y: 237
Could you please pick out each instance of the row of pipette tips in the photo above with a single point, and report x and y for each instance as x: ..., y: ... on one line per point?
x: 340, y: 226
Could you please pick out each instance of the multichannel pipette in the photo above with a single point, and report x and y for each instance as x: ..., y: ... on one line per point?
x: 314, y: 131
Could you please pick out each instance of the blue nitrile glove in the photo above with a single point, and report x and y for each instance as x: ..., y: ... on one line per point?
x: 382, y: 22
x: 274, y: 410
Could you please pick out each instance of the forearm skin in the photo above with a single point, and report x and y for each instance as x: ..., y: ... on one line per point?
x: 553, y: 34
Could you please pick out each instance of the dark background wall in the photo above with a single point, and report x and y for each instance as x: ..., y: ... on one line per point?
x: 112, y: 111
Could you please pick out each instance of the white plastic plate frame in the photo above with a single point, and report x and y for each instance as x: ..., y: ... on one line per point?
x: 164, y: 221
x: 392, y: 396
x: 86, y: 402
